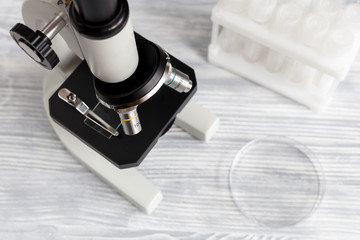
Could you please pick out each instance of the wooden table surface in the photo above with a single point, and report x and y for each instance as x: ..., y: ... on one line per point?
x: 46, y: 194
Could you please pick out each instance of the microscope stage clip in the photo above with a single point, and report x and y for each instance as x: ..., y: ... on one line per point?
x: 71, y: 98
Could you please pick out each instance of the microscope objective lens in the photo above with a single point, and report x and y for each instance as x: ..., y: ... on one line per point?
x: 130, y: 122
x: 178, y: 81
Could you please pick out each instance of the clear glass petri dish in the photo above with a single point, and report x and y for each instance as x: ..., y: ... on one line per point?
x: 276, y: 181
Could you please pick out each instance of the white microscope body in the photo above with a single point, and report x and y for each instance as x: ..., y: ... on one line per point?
x: 111, y: 62
x: 128, y: 182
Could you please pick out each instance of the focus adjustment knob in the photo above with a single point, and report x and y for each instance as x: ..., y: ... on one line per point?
x: 35, y: 44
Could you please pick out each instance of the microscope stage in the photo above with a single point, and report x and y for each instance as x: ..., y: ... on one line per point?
x: 156, y: 114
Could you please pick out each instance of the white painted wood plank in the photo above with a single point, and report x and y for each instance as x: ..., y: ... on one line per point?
x: 46, y: 194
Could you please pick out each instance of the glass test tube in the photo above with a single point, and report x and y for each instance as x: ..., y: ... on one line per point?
x: 236, y: 6
x: 252, y: 51
x: 301, y: 73
x: 305, y: 5
x: 338, y: 42
x: 261, y: 10
x: 323, y: 84
x: 314, y: 28
x: 351, y: 17
x: 274, y: 61
x: 287, y: 18
x: 329, y: 7
x: 230, y: 41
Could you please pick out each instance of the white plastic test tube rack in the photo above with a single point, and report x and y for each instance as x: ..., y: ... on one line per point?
x: 301, y: 49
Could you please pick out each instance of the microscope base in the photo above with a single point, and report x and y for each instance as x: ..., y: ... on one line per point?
x: 198, y: 121
x: 141, y: 192
x: 130, y: 183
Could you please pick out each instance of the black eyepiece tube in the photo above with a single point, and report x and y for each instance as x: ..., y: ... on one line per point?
x: 96, y: 11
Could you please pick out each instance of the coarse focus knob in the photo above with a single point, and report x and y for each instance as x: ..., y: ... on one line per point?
x: 35, y: 44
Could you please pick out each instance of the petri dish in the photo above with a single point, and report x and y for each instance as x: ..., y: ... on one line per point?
x: 276, y: 181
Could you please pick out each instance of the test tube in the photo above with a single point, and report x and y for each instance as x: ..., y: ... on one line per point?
x: 305, y: 5
x: 287, y: 18
x: 301, y: 73
x: 230, y: 41
x: 314, y: 28
x: 339, y: 42
x: 261, y: 10
x: 252, y: 51
x: 274, y: 61
x: 324, y: 83
x: 235, y: 6
x: 329, y: 8
x: 351, y: 17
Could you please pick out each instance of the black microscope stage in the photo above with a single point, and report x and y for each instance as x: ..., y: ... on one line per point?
x: 156, y: 115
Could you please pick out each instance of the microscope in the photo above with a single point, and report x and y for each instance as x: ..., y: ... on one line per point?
x: 111, y: 93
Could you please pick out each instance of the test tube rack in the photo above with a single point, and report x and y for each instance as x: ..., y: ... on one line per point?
x: 301, y: 49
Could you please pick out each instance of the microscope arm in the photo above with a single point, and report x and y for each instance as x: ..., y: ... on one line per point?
x: 130, y: 183
x: 50, y: 17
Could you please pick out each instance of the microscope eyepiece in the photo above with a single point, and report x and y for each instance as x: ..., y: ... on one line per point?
x: 96, y: 11
x: 99, y: 19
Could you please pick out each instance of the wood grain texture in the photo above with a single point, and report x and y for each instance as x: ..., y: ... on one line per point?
x: 46, y: 194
